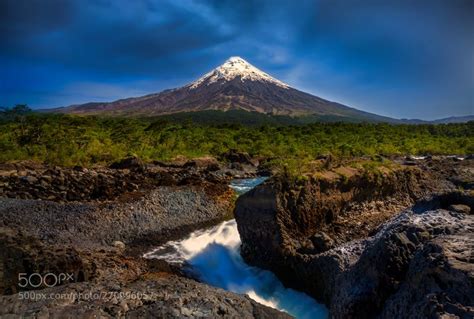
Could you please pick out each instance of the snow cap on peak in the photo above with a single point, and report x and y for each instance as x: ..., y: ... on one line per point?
x: 236, y: 59
x: 236, y: 67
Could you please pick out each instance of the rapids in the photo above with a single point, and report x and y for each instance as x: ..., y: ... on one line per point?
x: 212, y: 256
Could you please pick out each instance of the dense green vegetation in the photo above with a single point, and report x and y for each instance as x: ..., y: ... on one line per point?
x: 252, y: 118
x: 71, y: 140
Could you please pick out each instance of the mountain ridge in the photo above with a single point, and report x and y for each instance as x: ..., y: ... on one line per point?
x: 234, y: 85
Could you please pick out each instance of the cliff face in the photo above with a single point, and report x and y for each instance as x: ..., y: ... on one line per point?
x: 320, y: 213
x: 328, y: 235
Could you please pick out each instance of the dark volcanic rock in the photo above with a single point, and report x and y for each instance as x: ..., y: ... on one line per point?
x: 158, y: 295
x: 439, y: 281
x: 102, y: 184
x: 132, y: 162
x: 418, y: 266
x: 140, y: 216
x: 460, y: 208
x: 280, y: 218
x: 43, y: 236
x: 107, y: 284
x: 155, y: 216
x: 234, y: 156
x: 339, y: 240
x: 100, y: 242
x: 22, y: 253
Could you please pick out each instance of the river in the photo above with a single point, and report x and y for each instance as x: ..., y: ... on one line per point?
x: 212, y: 256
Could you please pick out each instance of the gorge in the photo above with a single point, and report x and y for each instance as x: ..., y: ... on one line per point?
x: 365, y: 241
x: 213, y: 257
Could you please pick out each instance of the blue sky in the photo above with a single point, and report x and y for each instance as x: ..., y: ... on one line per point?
x: 399, y: 58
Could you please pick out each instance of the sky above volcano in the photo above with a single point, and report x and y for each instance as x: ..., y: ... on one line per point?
x: 399, y: 58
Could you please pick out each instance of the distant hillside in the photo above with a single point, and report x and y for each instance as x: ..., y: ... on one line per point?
x: 447, y: 120
x: 455, y: 119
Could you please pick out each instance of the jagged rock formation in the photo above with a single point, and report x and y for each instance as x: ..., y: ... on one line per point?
x: 418, y: 266
x: 342, y: 241
x: 314, y: 215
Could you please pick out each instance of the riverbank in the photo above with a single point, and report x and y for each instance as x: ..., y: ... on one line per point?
x: 97, y: 241
x: 369, y: 243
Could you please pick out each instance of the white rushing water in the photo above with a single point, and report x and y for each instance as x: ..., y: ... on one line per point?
x: 212, y: 255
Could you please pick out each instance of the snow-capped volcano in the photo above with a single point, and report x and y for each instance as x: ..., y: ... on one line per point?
x: 236, y: 67
x: 234, y: 85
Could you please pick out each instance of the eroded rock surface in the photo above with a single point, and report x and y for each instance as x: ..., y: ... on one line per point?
x: 282, y: 222
x: 420, y: 265
x: 154, y: 296
x: 156, y: 215
x: 126, y: 178
x: 346, y: 242
x: 98, y: 240
x: 439, y: 281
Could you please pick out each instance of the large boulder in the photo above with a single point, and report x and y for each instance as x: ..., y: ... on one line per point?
x: 439, y: 281
x: 418, y: 266
x: 131, y: 162
x: 234, y: 156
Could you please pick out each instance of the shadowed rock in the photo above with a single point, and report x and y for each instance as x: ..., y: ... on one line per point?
x: 345, y: 242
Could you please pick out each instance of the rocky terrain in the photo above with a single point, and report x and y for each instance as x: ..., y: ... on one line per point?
x: 133, y: 204
x: 30, y: 180
x: 158, y: 294
x: 93, y: 224
x: 420, y: 265
x: 392, y: 243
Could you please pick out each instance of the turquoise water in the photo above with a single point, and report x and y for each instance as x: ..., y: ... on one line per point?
x: 212, y: 255
x: 245, y: 184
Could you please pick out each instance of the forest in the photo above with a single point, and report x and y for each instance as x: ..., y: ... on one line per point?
x: 67, y: 140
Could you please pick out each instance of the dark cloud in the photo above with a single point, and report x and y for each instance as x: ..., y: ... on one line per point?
x: 111, y: 36
x: 398, y: 57
x: 21, y: 18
